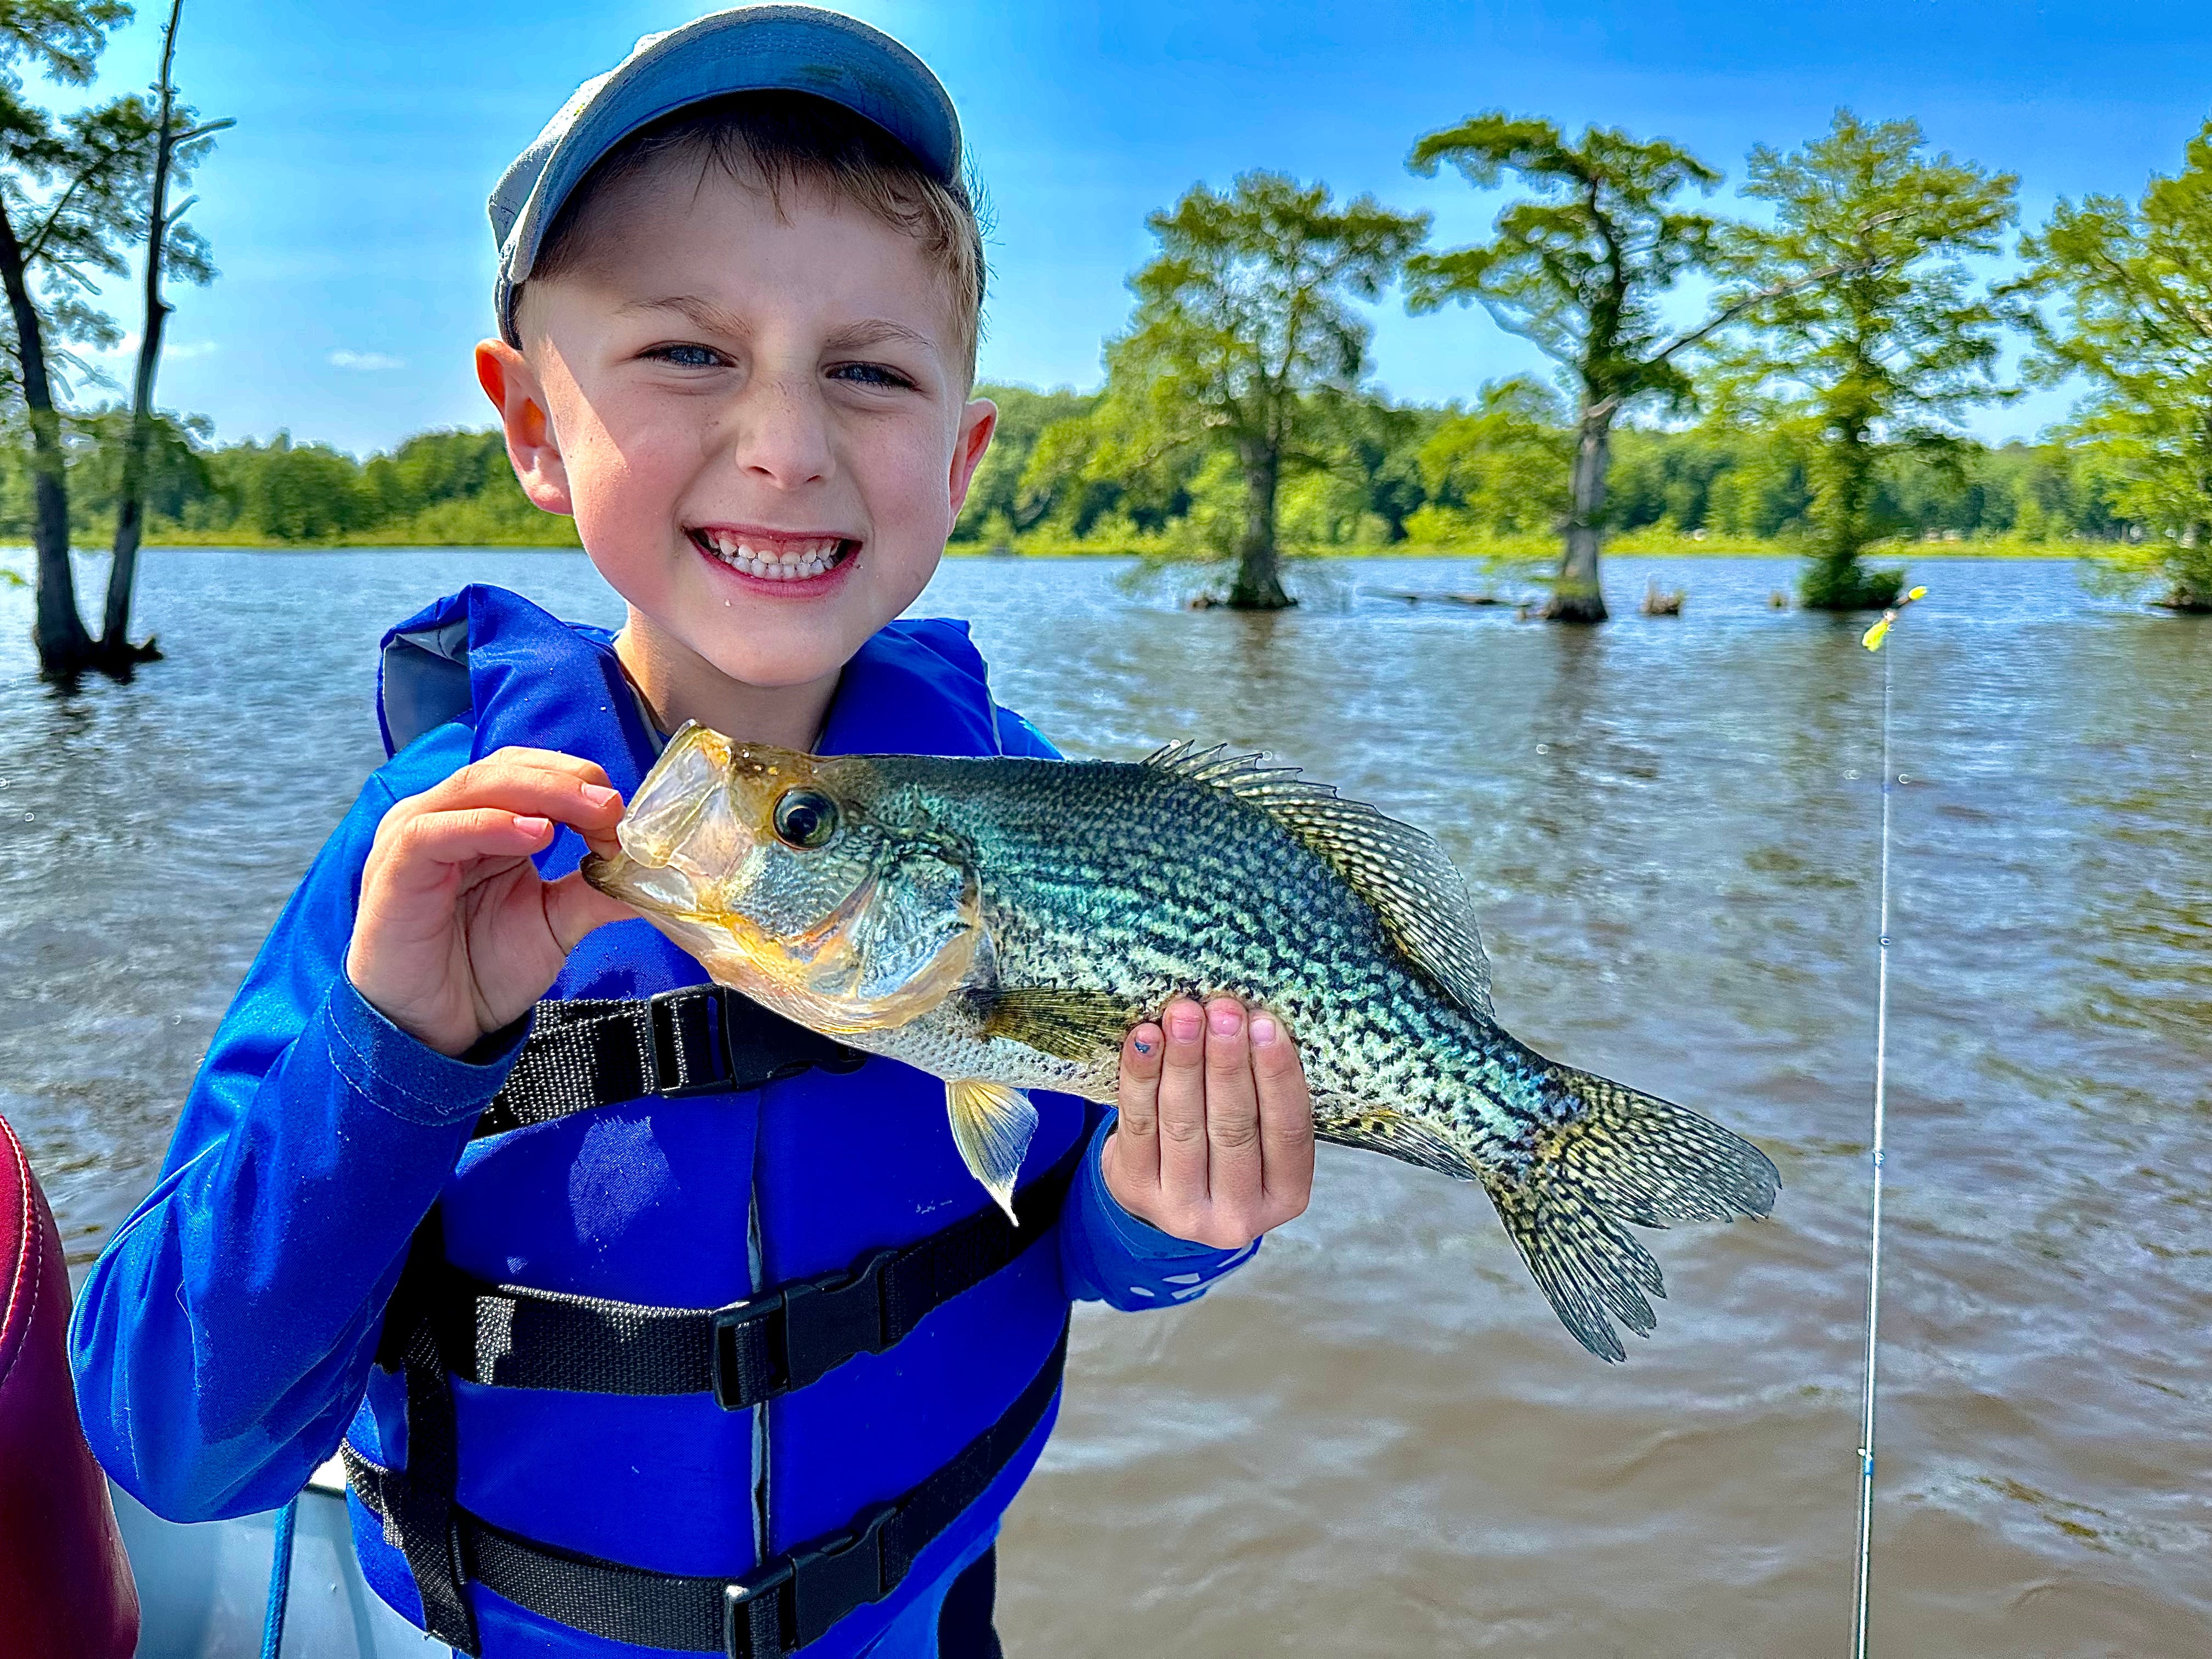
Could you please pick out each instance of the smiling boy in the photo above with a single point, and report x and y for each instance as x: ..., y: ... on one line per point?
x: 649, y: 1323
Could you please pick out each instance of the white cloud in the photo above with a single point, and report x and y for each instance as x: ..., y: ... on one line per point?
x: 365, y: 359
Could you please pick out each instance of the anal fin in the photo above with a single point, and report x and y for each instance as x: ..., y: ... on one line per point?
x: 992, y: 1126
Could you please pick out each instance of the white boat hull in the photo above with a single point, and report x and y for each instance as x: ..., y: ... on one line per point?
x: 204, y: 1589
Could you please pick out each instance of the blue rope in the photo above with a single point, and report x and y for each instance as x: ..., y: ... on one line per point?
x: 280, y: 1581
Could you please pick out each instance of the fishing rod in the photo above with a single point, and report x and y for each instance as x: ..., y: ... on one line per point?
x: 1872, y: 639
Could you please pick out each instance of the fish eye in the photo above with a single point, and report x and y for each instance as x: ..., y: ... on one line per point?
x: 805, y: 818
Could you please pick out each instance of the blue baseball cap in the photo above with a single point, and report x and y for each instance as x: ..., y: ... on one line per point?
x: 761, y: 48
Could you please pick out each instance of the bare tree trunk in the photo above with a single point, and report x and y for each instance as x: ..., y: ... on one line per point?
x: 1259, y: 584
x: 115, y: 648
x: 1577, y: 595
x: 65, y: 648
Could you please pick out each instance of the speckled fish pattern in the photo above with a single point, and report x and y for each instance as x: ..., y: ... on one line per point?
x: 1108, y: 888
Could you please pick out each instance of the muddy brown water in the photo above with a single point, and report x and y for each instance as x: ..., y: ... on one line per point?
x: 1375, y: 1439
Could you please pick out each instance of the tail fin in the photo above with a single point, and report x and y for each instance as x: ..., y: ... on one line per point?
x: 1619, y: 1157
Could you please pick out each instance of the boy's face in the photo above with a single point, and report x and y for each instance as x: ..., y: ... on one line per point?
x: 760, y: 421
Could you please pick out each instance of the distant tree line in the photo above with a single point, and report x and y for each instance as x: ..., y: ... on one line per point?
x: 1491, y: 475
x: 1495, y: 475
x: 437, y: 489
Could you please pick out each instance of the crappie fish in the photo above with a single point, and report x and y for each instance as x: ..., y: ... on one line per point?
x: 1003, y: 923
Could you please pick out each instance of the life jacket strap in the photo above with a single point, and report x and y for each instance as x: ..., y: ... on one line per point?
x: 511, y: 1336
x: 772, y: 1612
x: 422, y: 1520
x: 694, y: 1040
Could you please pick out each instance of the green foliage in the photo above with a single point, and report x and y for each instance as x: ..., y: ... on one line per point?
x: 1498, y: 470
x: 1865, y: 325
x: 1001, y: 501
x: 1241, y: 325
x: 1577, y: 267
x: 75, y: 188
x: 176, y: 470
x: 437, y: 489
x: 2134, y: 283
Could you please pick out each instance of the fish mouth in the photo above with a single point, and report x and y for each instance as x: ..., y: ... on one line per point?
x: 777, y: 558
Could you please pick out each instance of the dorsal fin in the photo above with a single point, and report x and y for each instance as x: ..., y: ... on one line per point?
x: 1422, y: 901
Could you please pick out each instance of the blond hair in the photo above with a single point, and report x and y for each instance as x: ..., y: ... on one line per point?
x: 785, y: 140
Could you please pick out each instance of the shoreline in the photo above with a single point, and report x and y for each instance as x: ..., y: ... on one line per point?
x: 1506, y: 555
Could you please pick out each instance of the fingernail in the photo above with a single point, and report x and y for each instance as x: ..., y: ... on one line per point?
x: 598, y: 794
x: 1263, y: 1030
x: 1226, y: 1019
x: 1183, y: 1024
x: 533, y: 826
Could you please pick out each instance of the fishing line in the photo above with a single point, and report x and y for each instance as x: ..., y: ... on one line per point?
x: 1872, y: 639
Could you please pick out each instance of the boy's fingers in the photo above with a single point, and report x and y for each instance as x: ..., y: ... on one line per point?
x: 575, y: 908
x: 1287, y: 1132
x: 432, y: 844
x: 1232, y: 1113
x: 1136, y: 1139
x: 1183, y: 1104
x: 591, y: 808
x: 551, y: 760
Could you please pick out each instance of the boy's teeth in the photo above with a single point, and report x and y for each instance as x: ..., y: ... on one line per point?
x: 796, y: 562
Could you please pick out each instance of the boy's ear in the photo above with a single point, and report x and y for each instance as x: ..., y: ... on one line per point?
x: 515, y: 391
x: 977, y: 422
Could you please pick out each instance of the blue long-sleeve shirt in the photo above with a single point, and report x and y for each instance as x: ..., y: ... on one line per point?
x: 225, y: 1340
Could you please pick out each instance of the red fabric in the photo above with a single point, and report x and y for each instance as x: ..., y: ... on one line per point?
x: 65, y: 1588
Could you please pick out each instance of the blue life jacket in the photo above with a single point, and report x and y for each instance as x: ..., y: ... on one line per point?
x: 693, y: 1203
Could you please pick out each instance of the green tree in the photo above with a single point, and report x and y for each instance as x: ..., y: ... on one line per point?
x: 1381, y: 444
x: 2134, y: 283
x: 1241, y: 320
x: 302, y: 492
x: 1496, y: 470
x: 1577, y: 268
x: 997, y: 506
x: 61, y: 211
x: 179, y: 142
x: 1865, y: 319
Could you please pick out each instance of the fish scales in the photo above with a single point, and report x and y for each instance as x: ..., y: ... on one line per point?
x: 1174, y: 927
x: 1003, y: 922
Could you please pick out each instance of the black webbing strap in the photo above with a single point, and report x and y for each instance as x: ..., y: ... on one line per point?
x: 696, y: 1039
x: 422, y: 1520
x: 510, y: 1336
x: 772, y: 1612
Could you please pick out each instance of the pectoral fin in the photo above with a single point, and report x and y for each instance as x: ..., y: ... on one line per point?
x: 992, y: 1125
x: 1078, y: 1025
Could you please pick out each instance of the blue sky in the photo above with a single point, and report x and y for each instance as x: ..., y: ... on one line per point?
x: 346, y: 209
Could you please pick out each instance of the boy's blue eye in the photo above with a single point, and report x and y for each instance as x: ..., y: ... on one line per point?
x: 870, y: 375
x: 688, y: 356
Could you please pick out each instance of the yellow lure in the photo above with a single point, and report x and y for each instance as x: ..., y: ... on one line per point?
x: 1874, y: 636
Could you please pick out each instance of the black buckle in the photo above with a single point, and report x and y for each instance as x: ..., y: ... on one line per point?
x: 729, y: 1323
x: 827, y: 1320
x: 690, y: 1027
x: 829, y: 1579
x: 824, y: 1322
x: 738, y: 1601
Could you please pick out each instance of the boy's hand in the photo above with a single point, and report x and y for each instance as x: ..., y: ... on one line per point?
x: 1215, y: 1143
x: 456, y: 934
